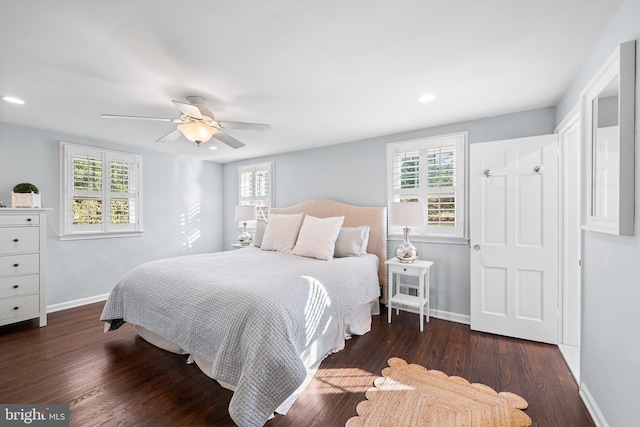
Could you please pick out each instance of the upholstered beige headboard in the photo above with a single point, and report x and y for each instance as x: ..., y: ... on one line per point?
x: 354, y: 216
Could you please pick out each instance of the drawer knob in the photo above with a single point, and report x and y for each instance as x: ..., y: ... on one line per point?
x: 16, y: 240
x: 16, y: 286
x: 15, y: 265
x: 28, y: 219
x: 16, y: 307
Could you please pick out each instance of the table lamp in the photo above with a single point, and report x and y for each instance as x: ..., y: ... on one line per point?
x: 406, y: 214
x: 244, y: 214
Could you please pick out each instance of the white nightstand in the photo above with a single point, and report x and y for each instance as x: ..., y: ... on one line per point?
x: 419, y: 269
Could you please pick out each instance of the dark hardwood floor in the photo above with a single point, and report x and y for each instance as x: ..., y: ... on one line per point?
x: 117, y: 379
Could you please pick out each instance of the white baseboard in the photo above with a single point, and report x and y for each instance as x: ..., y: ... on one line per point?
x: 76, y: 303
x: 571, y: 356
x: 441, y: 314
x: 452, y: 317
x: 592, y: 407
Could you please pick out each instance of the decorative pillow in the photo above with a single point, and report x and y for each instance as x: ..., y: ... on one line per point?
x: 317, y: 238
x: 281, y: 232
x: 260, y: 227
x: 352, y: 241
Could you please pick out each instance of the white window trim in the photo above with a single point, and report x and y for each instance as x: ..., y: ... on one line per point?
x: 106, y: 230
x: 395, y: 233
x: 251, y: 225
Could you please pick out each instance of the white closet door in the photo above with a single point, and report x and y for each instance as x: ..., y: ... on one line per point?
x: 514, y: 238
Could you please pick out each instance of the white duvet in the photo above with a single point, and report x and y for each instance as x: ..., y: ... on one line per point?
x: 249, y: 313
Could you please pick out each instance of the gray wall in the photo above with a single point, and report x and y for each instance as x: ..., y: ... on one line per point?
x: 610, y: 350
x: 182, y: 199
x: 355, y: 173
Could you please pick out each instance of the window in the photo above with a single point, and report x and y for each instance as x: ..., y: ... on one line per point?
x: 255, y: 187
x: 432, y: 171
x: 101, y: 192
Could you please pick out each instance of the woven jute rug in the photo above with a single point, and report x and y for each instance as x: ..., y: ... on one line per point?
x: 411, y: 395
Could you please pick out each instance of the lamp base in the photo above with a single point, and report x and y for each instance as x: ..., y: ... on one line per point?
x: 244, y: 238
x: 406, y: 252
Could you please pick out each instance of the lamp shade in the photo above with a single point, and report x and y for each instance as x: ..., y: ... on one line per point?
x: 197, y: 132
x: 407, y: 214
x: 245, y: 213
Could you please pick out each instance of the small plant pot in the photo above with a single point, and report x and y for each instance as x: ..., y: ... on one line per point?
x: 26, y: 200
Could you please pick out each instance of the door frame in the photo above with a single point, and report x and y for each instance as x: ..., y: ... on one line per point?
x: 569, y: 298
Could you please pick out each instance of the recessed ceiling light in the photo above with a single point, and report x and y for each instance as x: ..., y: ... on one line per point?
x: 13, y: 100
x: 427, y: 97
x: 213, y: 147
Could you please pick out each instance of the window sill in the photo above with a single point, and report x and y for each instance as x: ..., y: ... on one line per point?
x: 100, y: 235
x: 449, y: 240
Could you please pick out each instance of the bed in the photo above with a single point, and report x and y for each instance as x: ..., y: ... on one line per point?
x: 259, y: 319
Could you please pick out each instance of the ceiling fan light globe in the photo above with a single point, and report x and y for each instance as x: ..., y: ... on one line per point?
x: 197, y: 132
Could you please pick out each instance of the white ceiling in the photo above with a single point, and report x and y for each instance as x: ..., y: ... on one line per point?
x: 320, y: 72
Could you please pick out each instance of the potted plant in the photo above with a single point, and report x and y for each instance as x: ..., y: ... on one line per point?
x: 26, y: 195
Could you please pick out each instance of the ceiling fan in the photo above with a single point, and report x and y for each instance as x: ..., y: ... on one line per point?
x: 197, y: 124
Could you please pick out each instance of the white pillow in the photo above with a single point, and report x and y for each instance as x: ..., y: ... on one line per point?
x: 352, y: 241
x: 281, y: 232
x: 317, y: 238
x: 261, y: 225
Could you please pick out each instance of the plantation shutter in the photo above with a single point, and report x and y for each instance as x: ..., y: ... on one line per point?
x: 255, y: 187
x: 441, y: 186
x: 101, y: 191
x: 406, y: 176
x: 431, y: 171
x: 122, y: 194
x: 86, y: 192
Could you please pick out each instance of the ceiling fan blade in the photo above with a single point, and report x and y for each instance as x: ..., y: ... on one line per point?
x: 158, y: 119
x: 171, y: 136
x: 244, y: 126
x: 205, y: 112
x: 227, y: 139
x: 188, y: 109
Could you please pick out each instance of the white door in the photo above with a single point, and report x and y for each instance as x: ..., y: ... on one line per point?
x: 514, y: 238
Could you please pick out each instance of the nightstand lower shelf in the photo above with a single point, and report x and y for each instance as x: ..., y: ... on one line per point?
x: 410, y: 301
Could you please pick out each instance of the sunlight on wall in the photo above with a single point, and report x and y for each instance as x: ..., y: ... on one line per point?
x: 189, y: 222
x: 192, y: 191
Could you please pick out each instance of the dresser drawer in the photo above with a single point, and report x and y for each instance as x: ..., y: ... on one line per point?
x: 19, y: 285
x: 20, y: 307
x: 24, y: 219
x: 12, y: 265
x: 19, y: 240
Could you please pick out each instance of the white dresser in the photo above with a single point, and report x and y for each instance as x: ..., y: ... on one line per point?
x: 23, y: 258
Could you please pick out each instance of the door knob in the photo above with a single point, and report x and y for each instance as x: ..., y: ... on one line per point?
x: 476, y: 247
